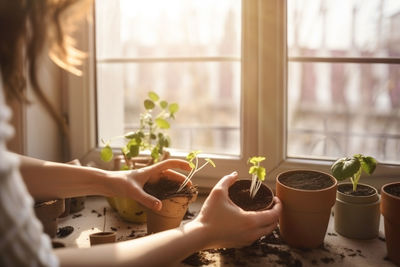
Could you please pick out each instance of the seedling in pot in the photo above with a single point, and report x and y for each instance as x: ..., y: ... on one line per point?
x: 352, y: 167
x: 193, y: 160
x: 257, y: 175
x: 151, y: 135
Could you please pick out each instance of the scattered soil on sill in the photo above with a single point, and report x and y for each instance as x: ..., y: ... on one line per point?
x: 165, y: 188
x: 64, y: 231
x: 306, y: 180
x: 239, y: 193
x: 362, y: 190
x: 76, y: 216
x: 393, y: 189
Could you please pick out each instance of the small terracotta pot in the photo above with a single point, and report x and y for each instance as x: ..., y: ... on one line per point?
x: 171, y: 214
x: 239, y: 193
x: 390, y: 208
x: 77, y: 204
x: 48, y: 212
x: 102, y: 238
x: 357, y: 216
x: 305, y: 213
x: 67, y: 207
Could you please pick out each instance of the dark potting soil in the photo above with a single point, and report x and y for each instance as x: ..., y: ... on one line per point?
x: 165, y: 188
x: 56, y: 244
x: 64, y: 231
x: 239, y: 193
x: 306, y: 180
x: 362, y: 190
x: 393, y: 189
x: 197, y: 259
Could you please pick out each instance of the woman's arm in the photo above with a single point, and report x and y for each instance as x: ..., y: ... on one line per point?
x: 50, y: 180
x: 220, y: 223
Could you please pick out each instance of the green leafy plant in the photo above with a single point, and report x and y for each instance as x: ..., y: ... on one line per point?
x: 257, y: 174
x: 151, y: 135
x: 352, y: 167
x: 193, y: 160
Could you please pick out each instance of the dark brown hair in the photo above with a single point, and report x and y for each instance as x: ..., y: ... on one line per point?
x: 26, y: 26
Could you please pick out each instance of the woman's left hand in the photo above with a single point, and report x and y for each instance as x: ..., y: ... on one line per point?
x: 131, y: 182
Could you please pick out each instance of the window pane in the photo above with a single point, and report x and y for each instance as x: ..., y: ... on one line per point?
x: 208, y: 94
x: 168, y: 28
x: 344, y: 28
x: 336, y: 110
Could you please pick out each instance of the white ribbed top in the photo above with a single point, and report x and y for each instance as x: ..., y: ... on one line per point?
x: 22, y: 241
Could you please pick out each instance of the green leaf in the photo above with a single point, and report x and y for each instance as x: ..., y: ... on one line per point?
x: 256, y: 160
x: 173, y: 108
x: 192, y: 155
x: 210, y: 161
x: 124, y: 167
x: 153, y: 96
x: 253, y: 170
x: 134, y: 150
x: 106, y: 154
x: 261, y: 173
x: 130, y: 135
x: 148, y: 104
x: 163, y: 104
x: 368, y: 164
x: 345, y: 168
x: 163, y: 124
x: 155, y: 154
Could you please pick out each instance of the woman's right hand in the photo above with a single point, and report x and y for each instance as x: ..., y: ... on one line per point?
x: 227, y: 225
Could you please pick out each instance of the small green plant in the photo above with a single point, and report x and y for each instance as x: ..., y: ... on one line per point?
x: 257, y: 174
x: 352, y: 167
x: 193, y: 157
x: 151, y: 135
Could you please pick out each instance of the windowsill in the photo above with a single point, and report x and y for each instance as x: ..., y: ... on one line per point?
x: 337, y: 251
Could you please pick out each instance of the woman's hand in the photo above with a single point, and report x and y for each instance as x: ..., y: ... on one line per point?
x: 132, y: 182
x: 227, y: 225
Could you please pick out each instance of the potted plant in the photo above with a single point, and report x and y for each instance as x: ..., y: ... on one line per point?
x: 390, y: 208
x: 102, y: 237
x: 252, y: 195
x: 151, y: 137
x: 175, y: 197
x: 356, y: 210
x: 307, y: 197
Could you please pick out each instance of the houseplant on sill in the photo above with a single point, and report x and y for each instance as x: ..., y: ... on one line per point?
x: 307, y: 197
x: 356, y: 210
x: 252, y: 195
x: 390, y: 208
x: 175, y: 197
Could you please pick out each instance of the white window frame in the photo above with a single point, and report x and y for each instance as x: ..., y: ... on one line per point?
x: 263, y: 118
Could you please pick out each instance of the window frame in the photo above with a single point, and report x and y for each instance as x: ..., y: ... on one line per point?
x: 263, y: 119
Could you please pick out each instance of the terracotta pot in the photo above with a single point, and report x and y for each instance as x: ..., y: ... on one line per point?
x: 390, y: 208
x: 239, y: 193
x: 67, y: 207
x: 305, y: 212
x: 77, y: 204
x: 48, y: 212
x: 171, y: 214
x: 357, y: 216
x: 102, y: 238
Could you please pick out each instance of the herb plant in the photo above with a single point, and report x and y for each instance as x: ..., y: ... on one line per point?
x: 258, y: 175
x: 193, y: 157
x: 151, y: 135
x: 352, y: 167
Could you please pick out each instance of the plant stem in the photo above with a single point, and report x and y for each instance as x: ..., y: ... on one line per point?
x: 104, y: 224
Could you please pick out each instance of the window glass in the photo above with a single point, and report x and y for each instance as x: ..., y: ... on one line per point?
x: 186, y: 51
x: 339, y: 109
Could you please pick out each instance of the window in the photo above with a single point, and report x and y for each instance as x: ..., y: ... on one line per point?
x: 293, y: 94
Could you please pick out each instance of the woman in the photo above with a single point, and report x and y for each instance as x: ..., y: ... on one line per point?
x: 26, y: 26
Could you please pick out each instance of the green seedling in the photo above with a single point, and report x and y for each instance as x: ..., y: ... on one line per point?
x: 257, y: 175
x: 152, y: 133
x: 352, y: 167
x: 193, y: 160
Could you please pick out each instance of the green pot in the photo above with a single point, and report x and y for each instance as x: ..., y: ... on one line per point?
x: 128, y: 209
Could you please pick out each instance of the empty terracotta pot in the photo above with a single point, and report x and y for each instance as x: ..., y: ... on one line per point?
x: 48, y: 212
x: 102, y: 238
x: 357, y: 216
x: 306, y: 208
x: 390, y: 208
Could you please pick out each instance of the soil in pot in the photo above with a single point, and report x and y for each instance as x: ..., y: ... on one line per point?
x: 390, y: 206
x: 239, y: 193
x: 174, y: 204
x: 354, y: 208
x: 307, y: 197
